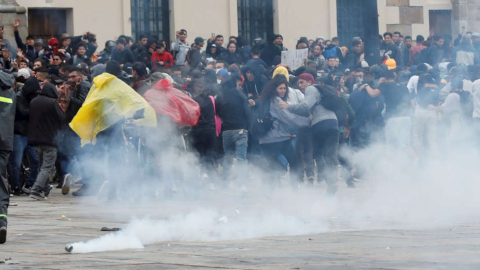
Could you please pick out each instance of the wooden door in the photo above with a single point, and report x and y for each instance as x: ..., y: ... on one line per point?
x: 441, y: 21
x: 47, y: 23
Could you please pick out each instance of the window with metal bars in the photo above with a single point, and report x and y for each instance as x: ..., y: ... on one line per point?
x: 349, y: 20
x: 150, y: 17
x: 255, y: 19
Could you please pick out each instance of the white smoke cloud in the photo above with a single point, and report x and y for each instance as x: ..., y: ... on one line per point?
x: 397, y: 192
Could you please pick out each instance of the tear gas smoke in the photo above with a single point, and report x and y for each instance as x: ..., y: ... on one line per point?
x: 396, y: 192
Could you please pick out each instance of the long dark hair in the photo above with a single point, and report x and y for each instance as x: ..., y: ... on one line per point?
x: 236, y: 46
x: 270, y: 90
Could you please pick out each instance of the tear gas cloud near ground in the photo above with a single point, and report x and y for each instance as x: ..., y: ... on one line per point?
x: 395, y: 193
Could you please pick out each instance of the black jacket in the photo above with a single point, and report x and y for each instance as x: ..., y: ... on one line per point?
x: 219, y: 51
x: 269, y: 53
x: 76, y: 60
x: 351, y: 60
x: 435, y: 55
x: 195, y: 57
x: 232, y: 106
x: 207, y: 114
x: 77, y: 98
x: 29, y: 51
x: 72, y: 49
x: 123, y: 57
x: 392, y: 50
x: 46, y: 117
x: 30, y: 90
x: 254, y: 89
x: 7, y: 111
x: 232, y: 58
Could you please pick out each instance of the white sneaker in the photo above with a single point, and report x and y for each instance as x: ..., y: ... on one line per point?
x: 67, y: 182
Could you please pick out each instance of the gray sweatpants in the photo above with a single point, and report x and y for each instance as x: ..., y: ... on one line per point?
x: 4, y: 194
x: 46, y: 163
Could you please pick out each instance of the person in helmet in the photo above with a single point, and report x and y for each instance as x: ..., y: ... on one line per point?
x: 107, y: 52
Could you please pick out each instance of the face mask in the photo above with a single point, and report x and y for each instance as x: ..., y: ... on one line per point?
x: 219, y: 81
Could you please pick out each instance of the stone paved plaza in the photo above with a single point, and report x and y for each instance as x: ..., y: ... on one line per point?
x: 38, y: 234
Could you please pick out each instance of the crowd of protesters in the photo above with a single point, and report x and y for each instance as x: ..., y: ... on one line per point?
x: 233, y: 100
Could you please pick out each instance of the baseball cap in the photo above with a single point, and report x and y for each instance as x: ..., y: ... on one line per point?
x: 391, y: 64
x: 222, y: 72
x: 23, y: 72
x: 199, y: 39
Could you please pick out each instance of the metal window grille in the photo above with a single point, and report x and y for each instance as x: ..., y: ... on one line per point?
x: 349, y: 20
x: 255, y: 19
x: 150, y: 17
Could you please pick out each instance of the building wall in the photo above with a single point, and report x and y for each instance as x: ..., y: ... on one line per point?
x: 108, y: 19
x: 293, y: 19
x: 304, y: 18
x: 202, y: 18
x: 410, y: 17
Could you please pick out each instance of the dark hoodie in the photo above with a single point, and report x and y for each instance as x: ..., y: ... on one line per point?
x: 7, y: 111
x: 269, y: 53
x: 211, y: 85
x: 254, y: 89
x: 46, y: 117
x: 232, y: 106
x: 29, y: 91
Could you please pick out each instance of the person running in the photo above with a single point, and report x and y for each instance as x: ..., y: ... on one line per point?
x: 277, y: 140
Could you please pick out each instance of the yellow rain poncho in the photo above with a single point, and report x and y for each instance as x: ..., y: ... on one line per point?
x: 109, y: 101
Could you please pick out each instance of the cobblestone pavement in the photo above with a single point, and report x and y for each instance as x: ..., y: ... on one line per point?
x: 38, y: 234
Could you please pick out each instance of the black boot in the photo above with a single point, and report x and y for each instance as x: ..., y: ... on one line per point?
x: 3, y: 235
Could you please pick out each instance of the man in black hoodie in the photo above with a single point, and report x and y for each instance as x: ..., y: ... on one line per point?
x: 46, y: 119
x: 30, y: 90
x: 235, y: 112
x: 7, y: 117
x: 254, y: 82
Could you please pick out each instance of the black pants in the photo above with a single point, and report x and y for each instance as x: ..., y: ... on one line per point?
x: 4, y: 193
x: 203, y: 141
x: 285, y: 148
x: 325, y: 153
x: 305, y: 152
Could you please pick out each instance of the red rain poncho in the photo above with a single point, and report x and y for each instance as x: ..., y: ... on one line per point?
x: 167, y: 100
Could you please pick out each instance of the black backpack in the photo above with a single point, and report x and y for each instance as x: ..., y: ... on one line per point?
x: 332, y: 101
x: 466, y: 101
x: 262, y: 121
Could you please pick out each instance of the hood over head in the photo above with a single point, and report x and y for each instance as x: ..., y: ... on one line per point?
x: 255, y: 68
x: 31, y: 86
x: 6, y: 80
x: 49, y: 90
x: 283, y: 71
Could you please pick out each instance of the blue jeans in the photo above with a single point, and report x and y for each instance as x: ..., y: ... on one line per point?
x: 235, y: 144
x: 19, y: 147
